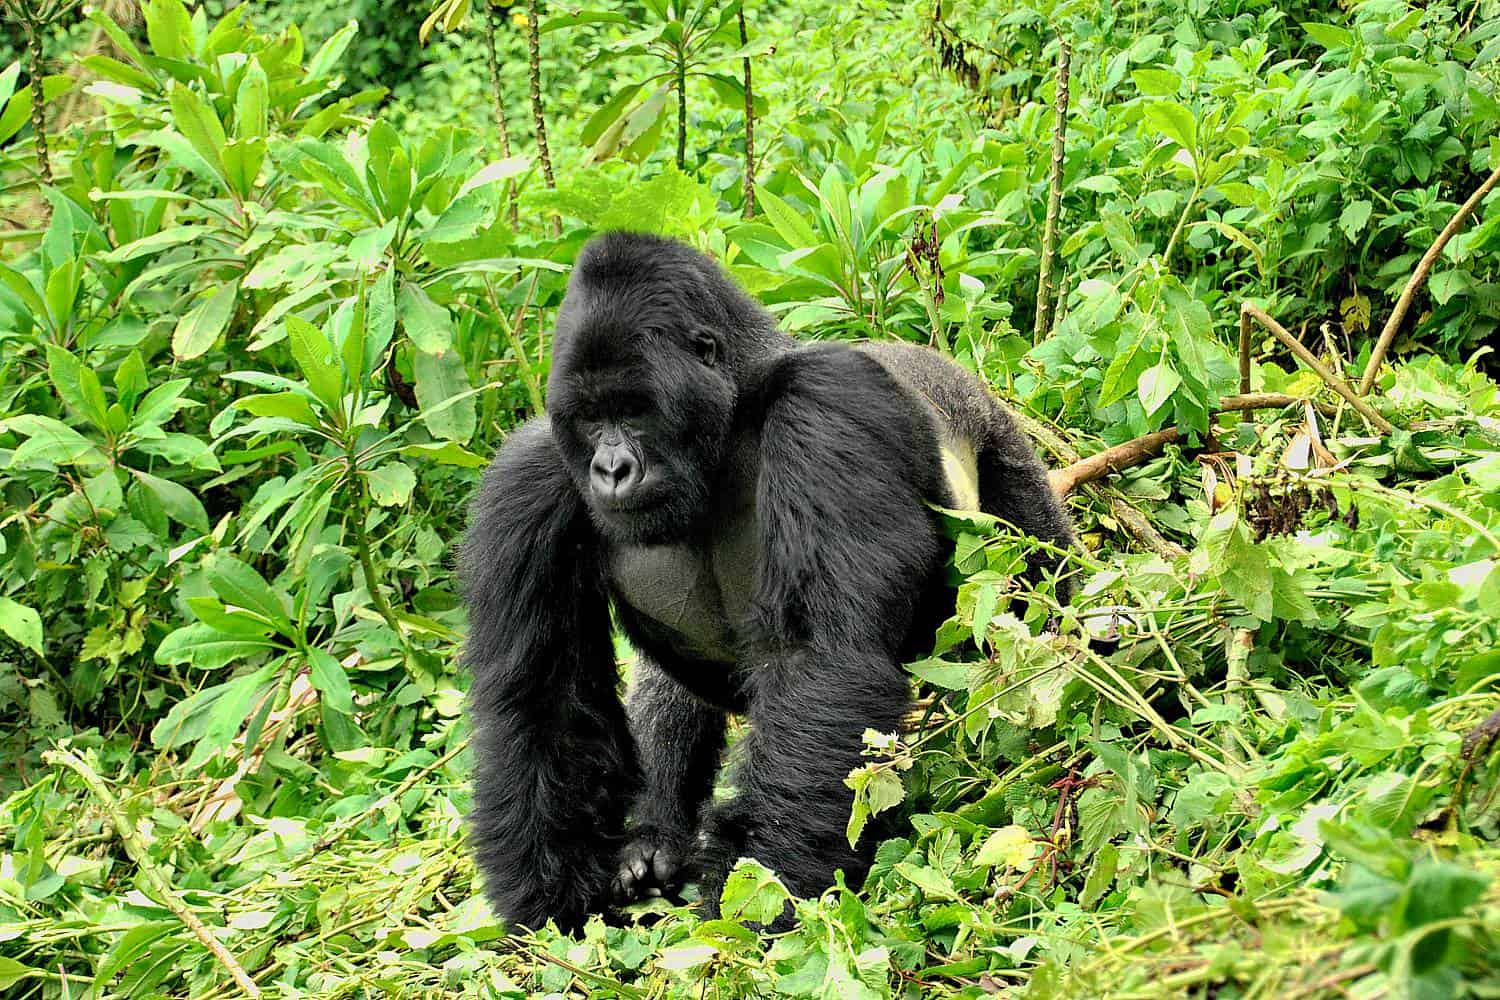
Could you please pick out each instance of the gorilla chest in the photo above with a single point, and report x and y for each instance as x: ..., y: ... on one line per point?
x: 691, y: 597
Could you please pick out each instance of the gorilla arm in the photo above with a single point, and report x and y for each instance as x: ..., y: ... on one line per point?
x: 847, y: 544
x: 555, y: 764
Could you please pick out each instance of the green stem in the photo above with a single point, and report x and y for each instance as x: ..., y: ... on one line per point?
x: 681, y: 109
x: 1166, y: 255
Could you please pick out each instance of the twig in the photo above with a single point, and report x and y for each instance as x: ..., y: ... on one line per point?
x: 1244, y: 352
x: 1388, y: 332
x: 1042, y: 327
x: 136, y: 848
x: 749, y: 122
x: 1136, y: 524
x: 1310, y: 359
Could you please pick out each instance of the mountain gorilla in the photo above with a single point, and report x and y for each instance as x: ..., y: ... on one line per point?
x: 757, y: 513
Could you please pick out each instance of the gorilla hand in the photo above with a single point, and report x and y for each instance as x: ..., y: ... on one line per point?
x: 649, y: 865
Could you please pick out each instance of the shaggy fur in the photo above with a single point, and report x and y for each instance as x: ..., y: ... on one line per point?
x: 786, y: 513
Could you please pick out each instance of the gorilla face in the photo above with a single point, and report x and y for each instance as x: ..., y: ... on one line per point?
x: 640, y: 408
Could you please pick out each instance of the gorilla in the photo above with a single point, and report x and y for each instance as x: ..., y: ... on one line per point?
x: 758, y: 515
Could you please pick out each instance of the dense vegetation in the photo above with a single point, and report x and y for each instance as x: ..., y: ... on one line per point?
x: 272, y: 287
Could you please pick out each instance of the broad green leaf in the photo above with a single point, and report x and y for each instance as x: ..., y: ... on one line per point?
x: 280, y: 404
x: 790, y: 226
x: 391, y: 484
x: 207, y: 648
x: 49, y: 441
x: 441, y: 377
x: 753, y: 893
x: 214, y: 716
x: 427, y: 324
x: 12, y: 972
x: 169, y: 28
x: 251, y: 119
x: 201, y: 326
x: 1175, y: 122
x: 1156, y: 82
x: 1156, y: 386
x: 196, y: 120
x: 77, y: 385
x: 237, y: 584
x: 180, y: 503
x: 22, y: 624
x: 314, y: 355
x: 331, y: 681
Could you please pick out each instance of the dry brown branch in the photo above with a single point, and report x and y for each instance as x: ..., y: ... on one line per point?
x: 1388, y: 332
x: 1137, y: 526
x: 125, y: 829
x: 1137, y: 450
x: 1042, y: 328
x: 1310, y: 359
x: 1122, y: 456
x: 1130, y: 519
x: 1244, y: 352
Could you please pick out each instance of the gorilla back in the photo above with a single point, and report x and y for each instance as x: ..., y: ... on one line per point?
x: 757, y: 515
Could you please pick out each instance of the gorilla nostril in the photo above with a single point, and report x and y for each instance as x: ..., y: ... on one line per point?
x: 614, y: 474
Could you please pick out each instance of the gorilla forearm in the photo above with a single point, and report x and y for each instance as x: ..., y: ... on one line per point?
x: 555, y: 766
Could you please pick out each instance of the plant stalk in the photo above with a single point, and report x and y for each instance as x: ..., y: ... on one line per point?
x: 1388, y: 332
x: 538, y: 118
x: 681, y: 108
x: 492, y: 62
x: 749, y: 210
x: 1042, y: 327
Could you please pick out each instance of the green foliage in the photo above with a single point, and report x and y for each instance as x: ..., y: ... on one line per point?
x: 260, y: 336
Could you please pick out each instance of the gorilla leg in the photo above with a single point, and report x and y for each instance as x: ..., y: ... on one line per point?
x: 555, y: 765
x: 680, y: 739
x: 808, y: 714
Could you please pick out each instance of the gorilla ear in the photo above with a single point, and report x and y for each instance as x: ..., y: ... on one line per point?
x: 707, y: 349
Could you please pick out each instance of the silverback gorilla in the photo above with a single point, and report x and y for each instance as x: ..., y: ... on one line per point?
x: 757, y: 514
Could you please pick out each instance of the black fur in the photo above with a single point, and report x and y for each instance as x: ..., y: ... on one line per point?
x: 778, y: 558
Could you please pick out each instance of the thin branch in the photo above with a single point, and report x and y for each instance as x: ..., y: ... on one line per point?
x: 1042, y: 327
x: 1122, y: 456
x: 1310, y: 359
x: 749, y: 211
x: 135, y: 846
x: 1388, y: 332
x: 1244, y: 352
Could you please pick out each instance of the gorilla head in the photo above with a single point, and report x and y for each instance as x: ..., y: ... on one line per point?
x: 651, y: 342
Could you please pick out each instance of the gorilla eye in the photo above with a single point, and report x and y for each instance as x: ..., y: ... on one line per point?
x: 707, y: 349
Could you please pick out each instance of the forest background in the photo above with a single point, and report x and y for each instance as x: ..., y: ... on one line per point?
x: 276, y: 278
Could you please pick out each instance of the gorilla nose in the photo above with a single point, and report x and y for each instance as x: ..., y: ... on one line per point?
x: 615, y: 473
